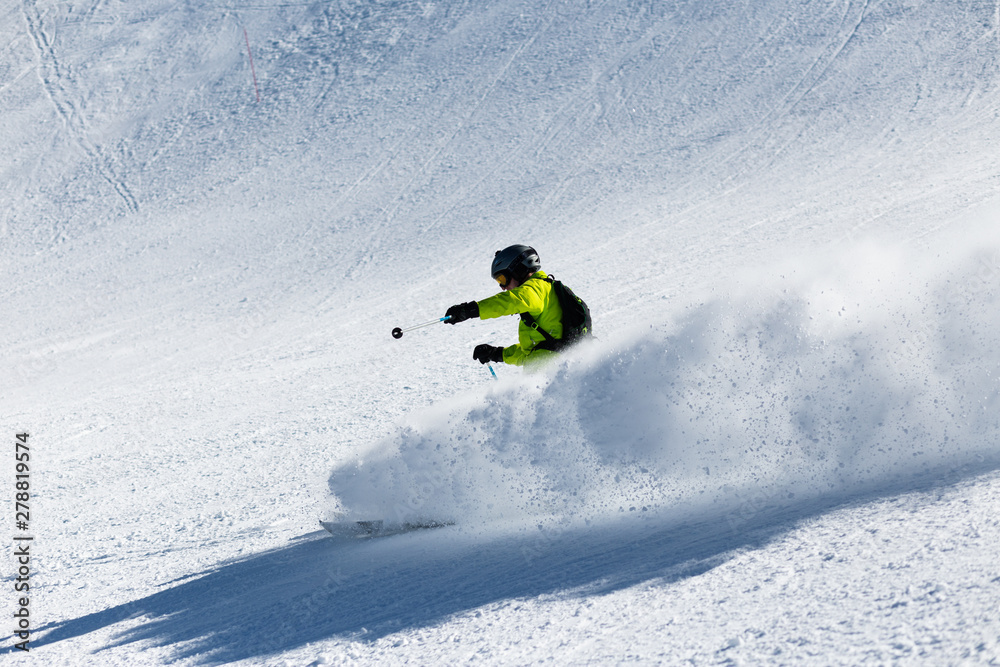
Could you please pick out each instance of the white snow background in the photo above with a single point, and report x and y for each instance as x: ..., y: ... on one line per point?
x: 783, y: 448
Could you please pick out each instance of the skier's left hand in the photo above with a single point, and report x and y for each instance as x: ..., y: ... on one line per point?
x: 484, y: 354
x: 462, y: 312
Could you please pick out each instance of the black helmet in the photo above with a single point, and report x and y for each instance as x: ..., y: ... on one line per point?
x: 517, y: 262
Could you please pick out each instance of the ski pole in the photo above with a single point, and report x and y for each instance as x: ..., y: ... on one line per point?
x: 493, y: 372
x: 398, y: 333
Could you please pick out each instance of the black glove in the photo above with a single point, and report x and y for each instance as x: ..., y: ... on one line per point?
x: 484, y: 354
x: 462, y: 312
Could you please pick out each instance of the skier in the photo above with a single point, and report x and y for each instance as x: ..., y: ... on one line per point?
x: 525, y: 290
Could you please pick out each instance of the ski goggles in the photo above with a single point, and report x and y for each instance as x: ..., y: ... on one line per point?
x: 501, y: 278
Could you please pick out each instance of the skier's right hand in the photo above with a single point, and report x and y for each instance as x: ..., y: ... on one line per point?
x: 462, y: 312
x: 484, y: 354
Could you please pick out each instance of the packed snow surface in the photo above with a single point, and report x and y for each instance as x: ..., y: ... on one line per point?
x: 782, y: 446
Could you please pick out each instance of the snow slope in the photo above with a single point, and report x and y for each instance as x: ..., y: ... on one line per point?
x: 783, y: 215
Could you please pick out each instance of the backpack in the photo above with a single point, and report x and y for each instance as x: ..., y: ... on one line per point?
x: 576, y: 320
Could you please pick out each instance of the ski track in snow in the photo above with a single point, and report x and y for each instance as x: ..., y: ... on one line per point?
x: 57, y: 82
x: 782, y: 448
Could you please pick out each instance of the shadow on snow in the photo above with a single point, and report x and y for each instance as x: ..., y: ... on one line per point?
x: 319, y: 588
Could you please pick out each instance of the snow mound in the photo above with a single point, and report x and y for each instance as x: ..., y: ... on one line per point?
x: 818, y: 378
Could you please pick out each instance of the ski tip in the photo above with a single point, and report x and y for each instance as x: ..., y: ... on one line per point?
x: 378, y: 528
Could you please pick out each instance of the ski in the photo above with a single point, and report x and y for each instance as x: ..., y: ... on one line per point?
x: 377, y: 528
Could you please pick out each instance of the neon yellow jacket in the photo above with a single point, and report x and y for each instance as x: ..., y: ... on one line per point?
x: 536, y: 297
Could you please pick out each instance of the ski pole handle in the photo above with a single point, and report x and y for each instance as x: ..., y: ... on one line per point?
x: 398, y: 333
